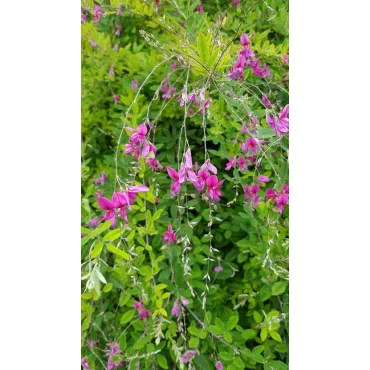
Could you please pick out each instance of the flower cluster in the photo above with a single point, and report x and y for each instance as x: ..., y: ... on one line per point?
x: 199, y: 179
x: 119, y: 202
x: 141, y: 310
x: 252, y: 192
x: 140, y: 146
x: 245, y: 59
x: 85, y: 364
x: 97, y: 13
x: 280, y: 199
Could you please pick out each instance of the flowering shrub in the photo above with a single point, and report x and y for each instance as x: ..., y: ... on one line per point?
x: 185, y: 195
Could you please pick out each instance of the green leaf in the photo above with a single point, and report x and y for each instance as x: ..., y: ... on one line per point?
x: 102, y: 227
x: 266, y: 132
x: 202, y: 48
x: 113, y: 235
x: 162, y: 362
x: 96, y: 250
x: 265, y: 292
x: 127, y: 316
x: 108, y: 288
x: 275, y: 335
x: 249, y: 333
x: 111, y: 248
x: 257, y: 317
x: 231, y: 323
x: 263, y: 334
x: 238, y: 362
x: 226, y: 356
x: 228, y: 337
x: 194, y: 342
x: 278, y: 365
x: 278, y: 288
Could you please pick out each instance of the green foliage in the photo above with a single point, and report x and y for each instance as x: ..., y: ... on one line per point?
x: 245, y: 320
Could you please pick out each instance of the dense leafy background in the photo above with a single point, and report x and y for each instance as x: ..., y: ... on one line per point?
x: 246, y: 316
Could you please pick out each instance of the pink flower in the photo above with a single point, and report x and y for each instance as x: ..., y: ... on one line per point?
x: 281, y: 200
x: 242, y: 163
x: 111, y: 72
x: 179, y: 179
x: 118, y: 29
x: 231, y: 164
x: 281, y: 124
x: 114, y: 348
x: 134, y: 84
x: 97, y: 13
x: 94, y: 222
x: 252, y: 192
x: 186, y: 357
x: 169, y: 93
x: 285, y: 59
x: 193, y: 97
x: 143, y: 314
x: 244, y: 39
x: 201, y: 180
x: 252, y: 144
x: 139, y: 134
x: 218, y: 268
x: 236, y: 3
x: 83, y: 18
x: 184, y: 301
x: 209, y: 166
x: 93, y: 43
x: 200, y: 9
x: 154, y: 164
x: 262, y: 179
x: 219, y: 365
x: 173, y: 66
x: 270, y: 194
x: 266, y: 101
x: 175, y: 309
x: 170, y: 236
x: 85, y: 364
x: 240, y: 63
x: 111, y: 364
x: 116, y: 98
x: 212, y: 188
x: 139, y: 306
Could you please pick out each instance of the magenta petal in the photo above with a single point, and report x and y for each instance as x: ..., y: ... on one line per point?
x: 192, y: 176
x: 182, y: 175
x: 138, y: 189
x: 142, y: 130
x: 188, y: 160
x: 220, y: 183
x: 172, y: 173
x: 123, y: 213
x: 105, y: 204
x: 118, y: 200
x: 211, y: 167
x: 211, y: 181
x: 145, y: 150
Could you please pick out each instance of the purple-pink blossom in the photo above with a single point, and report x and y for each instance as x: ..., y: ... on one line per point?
x: 173, y: 66
x: 175, y: 309
x: 213, y: 186
x: 118, y: 30
x: 285, y: 59
x: 92, y: 43
x: 141, y: 310
x: 265, y: 100
x: 179, y: 178
x: 218, y: 268
x: 97, y: 13
x: 252, y: 192
x: 134, y: 84
x: 200, y: 9
x: 262, y: 179
x: 242, y: 163
x: 85, y: 364
x: 169, y: 236
x: 280, y: 124
x: 184, y: 301
x: 280, y: 199
x: 231, y: 164
x: 219, y: 365
x: 116, y: 98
